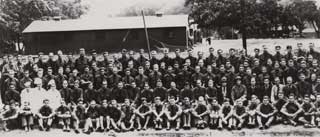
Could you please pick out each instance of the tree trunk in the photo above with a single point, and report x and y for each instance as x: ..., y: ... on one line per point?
x: 316, y: 29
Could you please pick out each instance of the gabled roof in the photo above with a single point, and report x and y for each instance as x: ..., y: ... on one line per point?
x: 111, y: 23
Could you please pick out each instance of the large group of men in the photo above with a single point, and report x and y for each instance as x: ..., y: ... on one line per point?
x: 133, y: 92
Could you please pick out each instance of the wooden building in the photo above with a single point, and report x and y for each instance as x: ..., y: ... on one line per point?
x: 106, y: 34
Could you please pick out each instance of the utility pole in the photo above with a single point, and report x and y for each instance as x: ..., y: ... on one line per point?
x: 243, y: 25
x: 146, y: 31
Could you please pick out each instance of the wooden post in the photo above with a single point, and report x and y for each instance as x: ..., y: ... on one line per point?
x: 146, y: 31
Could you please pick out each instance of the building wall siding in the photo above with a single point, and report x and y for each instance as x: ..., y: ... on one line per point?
x: 104, y: 40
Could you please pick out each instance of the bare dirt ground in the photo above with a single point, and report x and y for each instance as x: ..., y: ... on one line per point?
x: 275, y: 131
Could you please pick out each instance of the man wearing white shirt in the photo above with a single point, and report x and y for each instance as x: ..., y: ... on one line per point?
x: 53, y: 95
x: 276, y: 89
x: 36, y: 95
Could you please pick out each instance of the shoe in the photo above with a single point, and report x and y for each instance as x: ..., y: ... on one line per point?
x: 261, y: 128
x: 266, y: 127
x: 41, y: 128
x: 177, y: 129
x: 107, y: 129
x: 87, y: 132
x: 77, y: 131
x: 168, y: 128
x: 48, y: 129
x: 219, y: 128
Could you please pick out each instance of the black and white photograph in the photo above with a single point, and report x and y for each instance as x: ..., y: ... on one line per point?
x: 160, y: 68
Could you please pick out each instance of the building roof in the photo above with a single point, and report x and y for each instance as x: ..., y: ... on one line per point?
x: 112, y: 23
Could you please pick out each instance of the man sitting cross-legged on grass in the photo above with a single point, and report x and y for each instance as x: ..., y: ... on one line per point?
x: 26, y: 116
x: 186, y: 113
x: 45, y: 116
x: 115, y: 115
x: 239, y: 115
x: 200, y: 113
x: 63, y: 113
x: 266, y: 112
x: 9, y: 115
x: 143, y: 114
x: 251, y: 110
x: 214, y: 113
x: 291, y: 111
x: 279, y: 117
x: 104, y: 116
x: 226, y: 113
x: 317, y: 110
x: 78, y: 115
x: 92, y: 117
x: 158, y: 113
x: 308, y: 111
x: 173, y: 112
x: 128, y: 116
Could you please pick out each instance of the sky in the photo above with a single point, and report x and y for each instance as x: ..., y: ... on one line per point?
x: 98, y: 8
x: 109, y: 8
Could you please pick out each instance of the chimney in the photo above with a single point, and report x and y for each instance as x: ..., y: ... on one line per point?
x: 159, y: 14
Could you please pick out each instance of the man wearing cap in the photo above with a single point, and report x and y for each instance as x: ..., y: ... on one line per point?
x: 124, y: 59
x: 93, y: 56
x: 166, y: 59
x: 52, y: 63
x: 289, y: 54
x: 177, y: 58
x: 191, y: 58
x: 265, y: 55
x: 234, y: 60
x: 82, y: 61
x: 238, y: 91
x: 278, y: 55
x: 224, y: 90
x: 315, y: 54
x: 301, y: 52
x: 154, y: 60
x: 256, y: 53
x: 209, y: 60
x: 141, y: 59
x: 220, y: 59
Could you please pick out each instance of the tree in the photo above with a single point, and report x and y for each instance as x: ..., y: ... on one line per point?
x: 302, y: 11
x: 16, y: 15
x: 316, y: 22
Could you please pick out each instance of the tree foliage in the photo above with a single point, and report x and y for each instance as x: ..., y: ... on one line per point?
x: 16, y: 15
x: 262, y: 18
